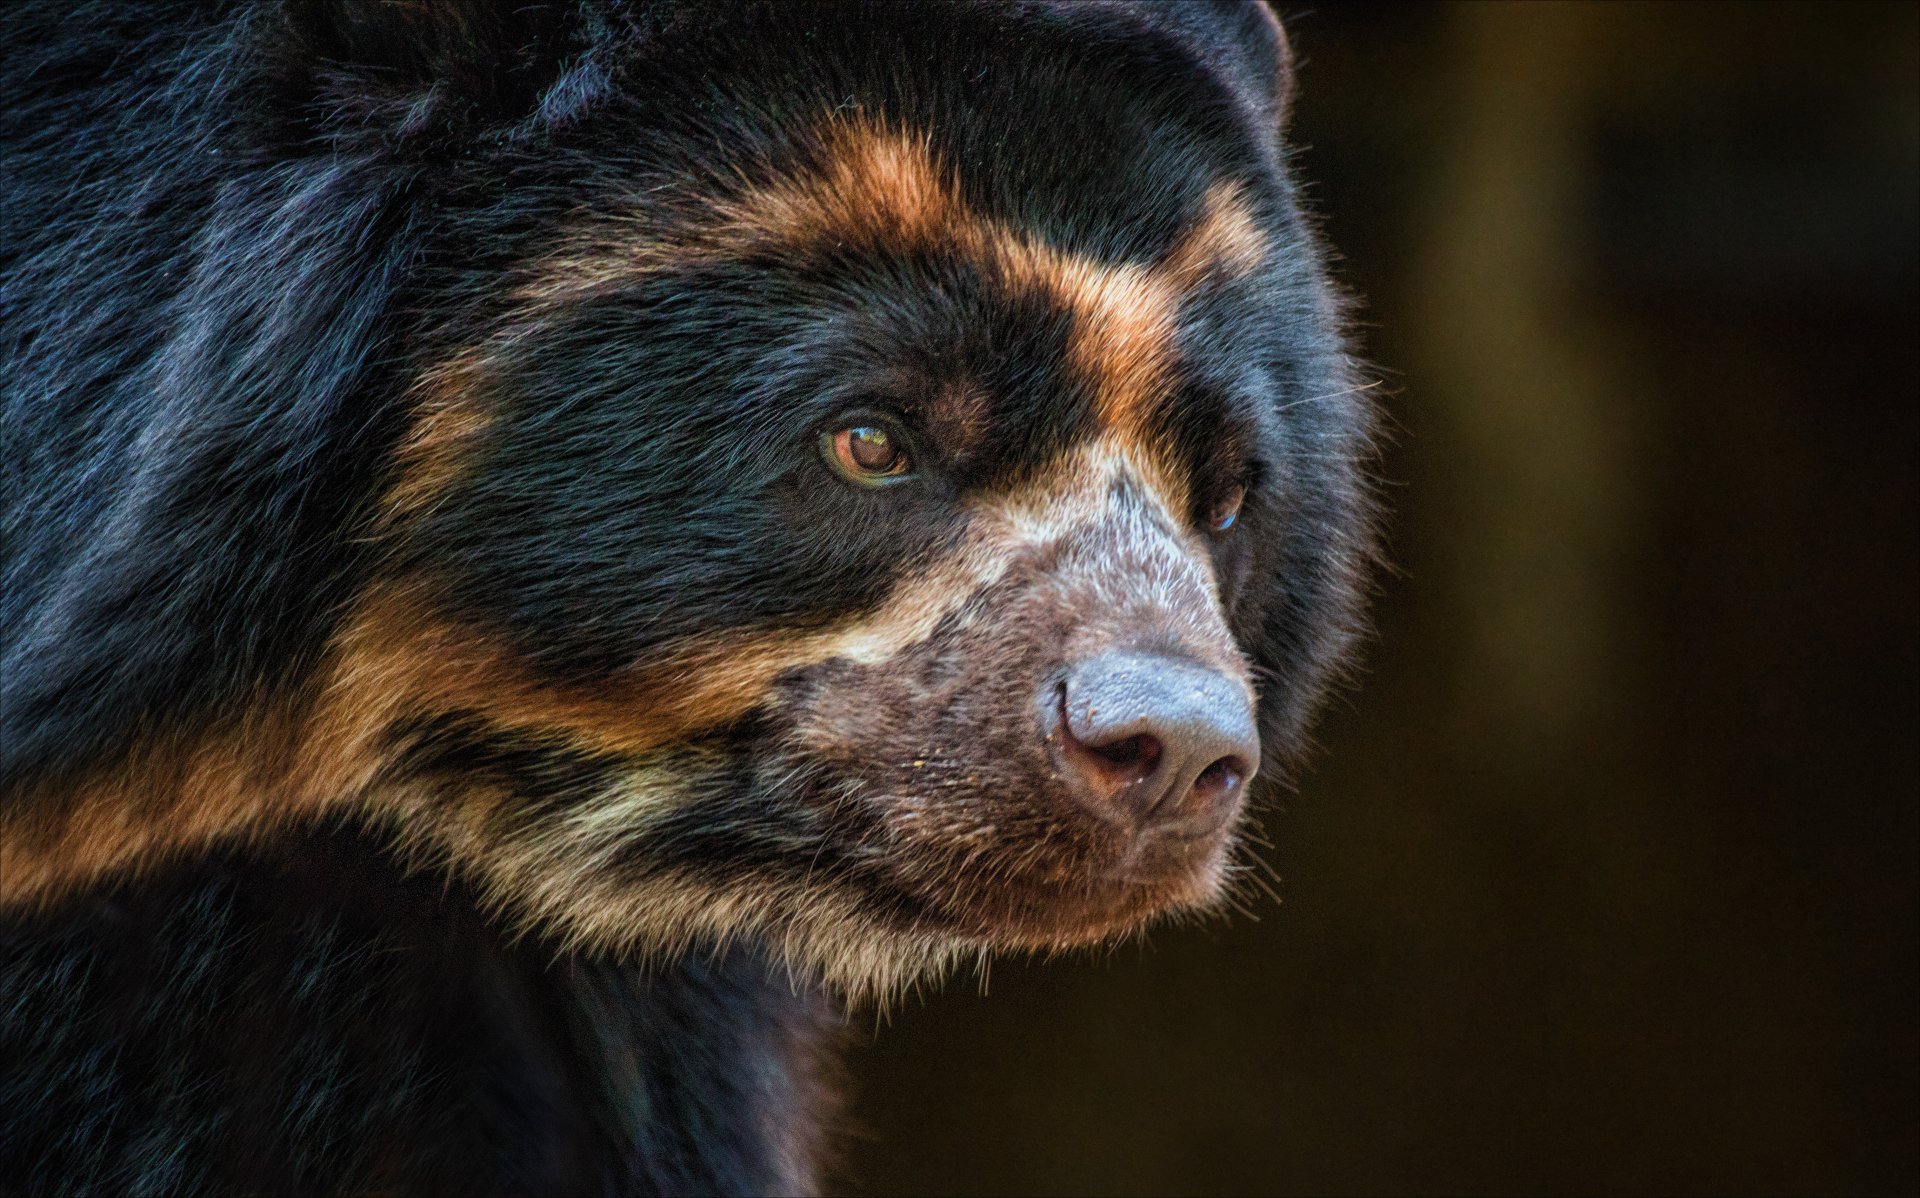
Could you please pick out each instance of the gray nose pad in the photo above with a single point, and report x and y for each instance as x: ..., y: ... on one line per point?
x: 1156, y: 737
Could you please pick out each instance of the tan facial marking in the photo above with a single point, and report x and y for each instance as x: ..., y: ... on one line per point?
x: 883, y: 189
x: 877, y: 190
x: 163, y: 795
x: 561, y: 881
x: 449, y: 420
x: 1224, y: 239
x: 277, y: 761
x: 393, y: 661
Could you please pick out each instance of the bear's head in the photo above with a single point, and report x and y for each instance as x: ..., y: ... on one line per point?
x: 878, y: 480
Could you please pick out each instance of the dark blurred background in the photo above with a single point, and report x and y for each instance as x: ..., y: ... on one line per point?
x: 1607, y: 877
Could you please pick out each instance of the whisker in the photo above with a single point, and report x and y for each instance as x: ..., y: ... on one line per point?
x: 1331, y: 395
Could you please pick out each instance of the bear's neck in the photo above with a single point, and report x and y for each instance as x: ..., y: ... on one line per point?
x: 241, y: 1010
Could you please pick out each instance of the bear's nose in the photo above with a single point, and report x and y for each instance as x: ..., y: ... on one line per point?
x: 1156, y: 739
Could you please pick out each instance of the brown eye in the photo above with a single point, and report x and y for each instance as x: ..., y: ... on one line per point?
x: 866, y: 454
x: 1226, y: 513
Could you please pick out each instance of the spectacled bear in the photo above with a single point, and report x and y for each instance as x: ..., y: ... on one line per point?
x: 549, y: 546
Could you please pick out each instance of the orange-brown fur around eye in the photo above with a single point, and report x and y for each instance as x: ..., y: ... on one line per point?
x: 880, y: 191
x: 883, y: 191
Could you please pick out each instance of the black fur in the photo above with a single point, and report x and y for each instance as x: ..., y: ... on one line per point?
x: 308, y: 1021
x: 235, y: 239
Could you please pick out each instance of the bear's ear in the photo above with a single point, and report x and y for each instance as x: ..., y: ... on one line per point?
x: 432, y: 70
x: 1241, y: 43
x: 1236, y: 46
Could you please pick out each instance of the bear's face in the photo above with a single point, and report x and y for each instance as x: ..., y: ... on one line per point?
x: 878, y: 479
x: 825, y: 553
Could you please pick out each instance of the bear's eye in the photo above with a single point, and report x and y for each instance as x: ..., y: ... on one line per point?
x: 1226, y: 513
x: 866, y: 454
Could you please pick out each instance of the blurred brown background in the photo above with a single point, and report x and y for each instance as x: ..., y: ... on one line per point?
x: 1607, y: 878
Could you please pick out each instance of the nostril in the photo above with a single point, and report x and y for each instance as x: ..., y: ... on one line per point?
x: 1132, y: 758
x: 1219, y: 778
x: 1113, y: 764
